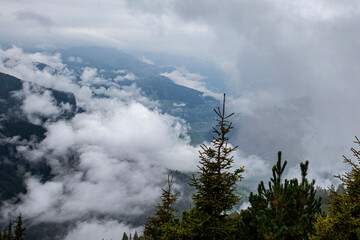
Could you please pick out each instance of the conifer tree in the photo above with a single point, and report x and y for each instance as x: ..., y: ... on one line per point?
x: 19, y: 229
x: 159, y: 226
x: 215, y: 185
x: 125, y: 236
x: 4, y: 236
x: 343, y: 220
x: 136, y: 237
x: 286, y: 210
x: 9, y: 234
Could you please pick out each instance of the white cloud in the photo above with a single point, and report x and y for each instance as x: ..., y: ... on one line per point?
x: 126, y: 94
x: 141, y: 131
x: 75, y: 59
x: 95, y: 229
x: 146, y: 60
x: 195, y: 81
x: 245, y: 205
x: 127, y: 76
x: 24, y: 66
x: 122, y: 150
x: 38, y: 103
x: 74, y: 24
x: 90, y: 76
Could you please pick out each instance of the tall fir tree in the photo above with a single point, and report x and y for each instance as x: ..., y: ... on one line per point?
x: 136, y: 236
x: 343, y: 220
x: 19, y: 229
x: 9, y: 234
x: 286, y: 210
x: 125, y: 236
x: 215, y: 186
x: 4, y: 236
x: 160, y: 225
x: 14, y: 232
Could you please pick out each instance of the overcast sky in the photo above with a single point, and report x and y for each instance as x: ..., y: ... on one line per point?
x: 292, y: 69
x: 279, y: 43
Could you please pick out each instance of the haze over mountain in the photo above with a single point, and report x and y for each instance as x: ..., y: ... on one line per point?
x: 128, y: 87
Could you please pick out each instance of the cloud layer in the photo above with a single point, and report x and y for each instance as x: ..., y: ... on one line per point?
x: 110, y: 160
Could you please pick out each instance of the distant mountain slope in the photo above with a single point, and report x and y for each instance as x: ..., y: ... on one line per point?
x: 177, y: 100
x: 16, y: 128
x: 109, y: 59
x: 215, y: 76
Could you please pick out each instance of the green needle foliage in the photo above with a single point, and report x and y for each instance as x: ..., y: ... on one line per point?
x: 19, y: 229
x: 286, y: 210
x: 125, y: 236
x: 160, y: 225
x: 14, y: 234
x: 9, y: 234
x: 215, y: 184
x: 136, y: 237
x: 214, y: 198
x: 343, y: 220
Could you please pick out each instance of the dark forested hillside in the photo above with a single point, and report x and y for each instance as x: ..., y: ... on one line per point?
x: 17, y: 130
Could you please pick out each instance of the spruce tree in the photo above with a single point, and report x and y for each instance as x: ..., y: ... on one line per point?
x: 286, y: 210
x: 125, y: 236
x: 160, y: 225
x: 136, y: 237
x: 5, y: 234
x: 19, y: 229
x: 343, y: 220
x: 215, y: 185
x: 9, y: 234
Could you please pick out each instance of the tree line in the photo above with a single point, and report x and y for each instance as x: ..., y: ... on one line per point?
x: 14, y: 232
x: 284, y: 209
x: 130, y: 237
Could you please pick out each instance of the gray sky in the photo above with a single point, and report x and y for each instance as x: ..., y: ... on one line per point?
x: 286, y: 44
x: 104, y: 23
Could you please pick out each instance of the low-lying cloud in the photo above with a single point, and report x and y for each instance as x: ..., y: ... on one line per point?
x: 195, y: 81
x: 110, y: 160
x: 95, y: 229
x: 38, y: 104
